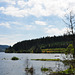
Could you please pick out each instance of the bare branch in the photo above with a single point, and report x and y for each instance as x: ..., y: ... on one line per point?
x: 66, y: 22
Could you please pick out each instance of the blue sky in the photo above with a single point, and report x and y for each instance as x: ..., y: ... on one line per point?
x: 30, y: 19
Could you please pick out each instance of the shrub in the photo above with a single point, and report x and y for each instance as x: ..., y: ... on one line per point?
x: 69, y: 49
x: 44, y: 69
x: 14, y: 58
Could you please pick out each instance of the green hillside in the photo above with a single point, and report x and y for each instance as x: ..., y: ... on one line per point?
x: 36, y: 45
x: 3, y: 48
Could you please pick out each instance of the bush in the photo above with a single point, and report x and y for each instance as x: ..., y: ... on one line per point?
x: 69, y: 49
x: 14, y: 58
x: 44, y: 69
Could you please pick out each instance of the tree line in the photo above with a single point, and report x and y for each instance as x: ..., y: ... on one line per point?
x: 35, y: 45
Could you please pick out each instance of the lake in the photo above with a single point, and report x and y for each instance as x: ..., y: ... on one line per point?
x: 10, y: 67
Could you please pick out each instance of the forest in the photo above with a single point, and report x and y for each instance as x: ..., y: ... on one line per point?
x: 39, y: 44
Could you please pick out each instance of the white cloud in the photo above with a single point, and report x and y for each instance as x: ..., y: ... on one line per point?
x: 8, y: 39
x: 14, y: 11
x: 38, y: 8
x: 21, y: 3
x: 6, y: 24
x: 55, y: 31
x: 16, y: 23
x: 2, y: 8
x: 8, y: 1
x: 29, y: 27
x: 40, y: 23
x: 50, y: 26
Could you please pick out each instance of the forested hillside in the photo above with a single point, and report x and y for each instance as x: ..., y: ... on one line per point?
x: 36, y: 45
x: 3, y: 47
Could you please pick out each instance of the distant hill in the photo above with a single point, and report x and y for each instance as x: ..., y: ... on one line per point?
x: 36, y: 45
x: 3, y: 48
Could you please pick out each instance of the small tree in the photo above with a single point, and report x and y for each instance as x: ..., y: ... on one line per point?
x: 70, y: 21
x: 70, y: 49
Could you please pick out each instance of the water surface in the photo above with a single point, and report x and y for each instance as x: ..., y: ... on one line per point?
x: 10, y: 67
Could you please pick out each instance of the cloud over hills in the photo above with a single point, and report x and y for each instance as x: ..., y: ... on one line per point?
x: 32, y: 18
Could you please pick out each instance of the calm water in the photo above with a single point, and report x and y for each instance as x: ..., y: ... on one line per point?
x: 10, y: 67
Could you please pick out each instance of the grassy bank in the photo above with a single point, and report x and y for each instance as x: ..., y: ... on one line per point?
x: 46, y: 59
x: 53, y: 50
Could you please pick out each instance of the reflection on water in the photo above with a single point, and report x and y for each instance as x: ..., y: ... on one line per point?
x: 29, y: 70
x: 10, y: 67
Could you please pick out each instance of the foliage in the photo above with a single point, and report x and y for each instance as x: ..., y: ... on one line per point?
x: 69, y: 71
x: 44, y: 69
x: 36, y: 45
x: 14, y: 58
x: 37, y: 49
x: 69, y: 62
x: 69, y: 49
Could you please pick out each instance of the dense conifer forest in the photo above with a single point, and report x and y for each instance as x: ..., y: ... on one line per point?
x: 36, y: 45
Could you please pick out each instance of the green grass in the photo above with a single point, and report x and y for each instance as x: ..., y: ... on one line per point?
x: 44, y: 69
x: 67, y: 71
x: 14, y: 58
x: 46, y: 59
x: 54, y: 50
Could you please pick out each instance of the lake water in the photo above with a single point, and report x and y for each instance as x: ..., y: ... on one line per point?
x: 10, y: 67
